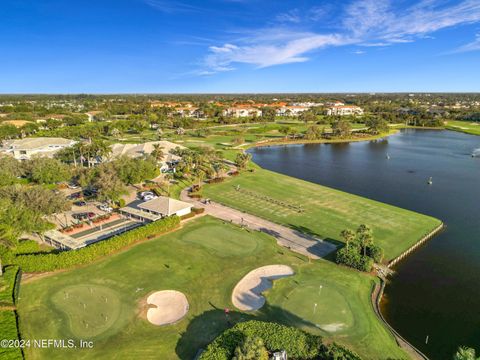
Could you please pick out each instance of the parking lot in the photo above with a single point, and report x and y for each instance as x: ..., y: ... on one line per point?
x: 67, y: 218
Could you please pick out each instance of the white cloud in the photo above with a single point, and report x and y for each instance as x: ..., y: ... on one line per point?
x: 265, y: 53
x: 378, y: 19
x: 171, y: 6
x: 366, y: 23
x: 292, y: 16
x: 473, y: 46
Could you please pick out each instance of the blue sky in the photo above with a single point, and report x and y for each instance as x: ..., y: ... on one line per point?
x: 162, y: 46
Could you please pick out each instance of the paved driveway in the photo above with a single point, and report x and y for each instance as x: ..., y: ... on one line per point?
x: 296, y: 241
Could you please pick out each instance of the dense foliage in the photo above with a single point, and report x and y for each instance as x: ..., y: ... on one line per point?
x: 253, y: 337
x: 86, y: 255
x: 8, y: 284
x: 8, y: 326
x: 359, y: 252
x: 296, y: 342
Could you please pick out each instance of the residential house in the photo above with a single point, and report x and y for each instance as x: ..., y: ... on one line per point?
x: 24, y: 149
x: 343, y: 110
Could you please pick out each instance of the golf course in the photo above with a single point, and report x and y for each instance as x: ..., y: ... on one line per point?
x: 204, y: 260
x: 320, y: 210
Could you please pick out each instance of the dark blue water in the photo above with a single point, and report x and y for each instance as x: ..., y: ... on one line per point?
x: 436, y: 290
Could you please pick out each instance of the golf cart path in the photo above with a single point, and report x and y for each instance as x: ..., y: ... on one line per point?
x: 297, y: 241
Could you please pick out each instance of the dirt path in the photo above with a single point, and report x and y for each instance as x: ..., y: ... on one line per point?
x: 294, y: 240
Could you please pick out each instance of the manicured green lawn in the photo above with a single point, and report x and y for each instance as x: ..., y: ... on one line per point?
x: 204, y: 260
x: 469, y: 127
x: 320, y: 210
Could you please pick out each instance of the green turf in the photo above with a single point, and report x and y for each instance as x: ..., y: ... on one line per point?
x: 239, y: 242
x: 320, y: 210
x: 89, y: 310
x: 469, y: 127
x: 321, y: 304
x: 204, y: 260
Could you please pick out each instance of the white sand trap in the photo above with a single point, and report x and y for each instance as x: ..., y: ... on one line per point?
x: 247, y: 295
x: 171, y: 306
x: 332, y: 327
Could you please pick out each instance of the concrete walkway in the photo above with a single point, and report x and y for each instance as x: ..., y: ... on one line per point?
x: 294, y: 240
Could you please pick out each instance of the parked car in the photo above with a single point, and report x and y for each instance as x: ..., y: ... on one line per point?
x: 74, y: 196
x: 105, y: 207
x: 90, y: 192
x: 149, y: 197
x: 83, y: 215
x: 73, y: 186
x: 145, y: 193
x: 80, y: 203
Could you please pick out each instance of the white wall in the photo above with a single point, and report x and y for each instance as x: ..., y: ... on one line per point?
x: 184, y: 211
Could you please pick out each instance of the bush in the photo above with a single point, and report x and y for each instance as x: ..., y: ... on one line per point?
x: 198, y: 210
x: 375, y: 252
x: 8, y: 286
x: 8, y: 326
x: 86, y: 255
x: 251, y: 349
x: 187, y: 216
x: 351, y: 257
x: 297, y: 343
x: 337, y: 352
x: 157, y: 191
x: 216, y: 180
x: 121, y: 202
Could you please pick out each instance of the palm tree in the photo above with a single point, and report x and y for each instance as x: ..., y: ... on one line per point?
x: 465, y: 353
x: 365, y: 236
x: 348, y: 235
x: 242, y: 160
x: 115, y: 132
x: 158, y: 153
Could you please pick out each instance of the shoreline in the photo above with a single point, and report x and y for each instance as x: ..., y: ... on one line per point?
x: 420, y: 242
x: 376, y: 298
x: 276, y: 142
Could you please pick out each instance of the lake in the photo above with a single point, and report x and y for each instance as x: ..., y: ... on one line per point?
x: 436, y: 290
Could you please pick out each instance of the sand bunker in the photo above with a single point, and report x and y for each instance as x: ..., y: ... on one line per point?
x: 332, y: 327
x: 247, y: 295
x: 170, y: 307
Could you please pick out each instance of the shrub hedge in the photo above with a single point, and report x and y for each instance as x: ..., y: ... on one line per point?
x: 86, y: 255
x: 8, y: 284
x: 297, y: 343
x: 8, y: 327
x: 337, y: 352
x: 188, y: 216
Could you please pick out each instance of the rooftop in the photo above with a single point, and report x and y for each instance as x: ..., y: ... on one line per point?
x: 164, y: 205
x: 138, y: 150
x: 40, y: 142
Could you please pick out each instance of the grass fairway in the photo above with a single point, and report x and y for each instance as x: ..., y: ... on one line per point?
x: 469, y: 127
x: 321, y: 210
x: 204, y: 260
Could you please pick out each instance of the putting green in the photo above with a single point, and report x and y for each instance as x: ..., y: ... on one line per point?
x: 89, y: 309
x: 320, y: 305
x: 223, y: 240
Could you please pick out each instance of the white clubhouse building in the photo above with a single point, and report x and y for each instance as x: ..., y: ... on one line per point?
x: 24, y: 149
